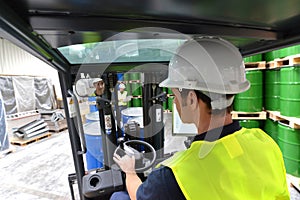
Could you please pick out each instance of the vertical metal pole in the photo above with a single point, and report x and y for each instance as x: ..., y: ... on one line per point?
x: 147, y: 103
x: 65, y: 82
x: 158, y: 124
x: 100, y: 106
x: 153, y: 127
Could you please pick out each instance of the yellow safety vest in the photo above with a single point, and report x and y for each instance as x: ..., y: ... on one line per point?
x: 244, y: 165
x: 122, y: 98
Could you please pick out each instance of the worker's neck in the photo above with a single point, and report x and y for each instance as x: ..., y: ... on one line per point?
x: 209, y: 122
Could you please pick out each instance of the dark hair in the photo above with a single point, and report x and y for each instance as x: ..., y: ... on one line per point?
x: 207, y: 101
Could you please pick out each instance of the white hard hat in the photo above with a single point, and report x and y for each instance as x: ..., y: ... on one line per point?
x: 122, y: 85
x: 208, y: 64
x: 96, y: 80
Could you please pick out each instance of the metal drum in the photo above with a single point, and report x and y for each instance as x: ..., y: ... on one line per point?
x: 129, y: 113
x: 140, y: 121
x: 135, y: 76
x: 136, y: 102
x: 94, y: 154
x: 170, y: 103
x: 254, y: 58
x: 289, y: 143
x: 250, y: 123
x: 271, y: 128
x: 136, y: 89
x: 92, y: 117
x: 272, y: 89
x: 92, y: 104
x: 252, y: 99
x: 290, y: 91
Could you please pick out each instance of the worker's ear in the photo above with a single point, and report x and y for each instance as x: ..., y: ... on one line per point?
x: 192, y: 100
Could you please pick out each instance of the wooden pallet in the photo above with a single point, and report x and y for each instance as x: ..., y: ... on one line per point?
x: 134, y: 81
x: 138, y: 96
x: 292, y: 122
x: 249, y: 115
x: 21, y: 142
x: 287, y: 61
x: 255, y: 65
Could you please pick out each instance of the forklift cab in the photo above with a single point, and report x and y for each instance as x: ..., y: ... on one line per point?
x: 133, y: 125
x: 131, y: 43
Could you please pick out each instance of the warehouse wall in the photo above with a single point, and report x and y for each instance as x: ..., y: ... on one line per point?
x: 16, y: 61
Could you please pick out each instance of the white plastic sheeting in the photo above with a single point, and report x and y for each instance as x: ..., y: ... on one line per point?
x: 25, y: 93
x: 4, y: 142
x: 8, y: 94
x: 44, y: 96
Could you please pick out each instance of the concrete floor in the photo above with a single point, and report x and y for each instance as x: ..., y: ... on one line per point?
x: 39, y: 171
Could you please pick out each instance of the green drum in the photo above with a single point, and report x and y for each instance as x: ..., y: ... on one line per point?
x: 170, y: 91
x: 292, y: 166
x: 281, y: 53
x: 288, y: 51
x: 250, y: 123
x: 254, y: 58
x: 289, y: 143
x: 129, y: 103
x: 272, y: 89
x: 128, y: 89
x: 170, y: 103
x: 135, y: 76
x: 126, y: 77
x: 290, y: 91
x: 252, y: 99
x: 136, y: 89
x: 165, y: 103
x: 271, y: 128
x: 136, y: 102
x: 270, y: 56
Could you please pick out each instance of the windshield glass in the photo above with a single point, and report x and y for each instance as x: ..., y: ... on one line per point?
x: 142, y: 50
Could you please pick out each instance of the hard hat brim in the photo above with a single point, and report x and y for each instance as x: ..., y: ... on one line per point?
x: 96, y: 80
x: 242, y: 87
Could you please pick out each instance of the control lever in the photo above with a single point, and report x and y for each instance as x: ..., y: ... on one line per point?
x: 160, y: 97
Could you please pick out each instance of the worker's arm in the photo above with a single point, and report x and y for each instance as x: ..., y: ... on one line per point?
x: 127, y: 164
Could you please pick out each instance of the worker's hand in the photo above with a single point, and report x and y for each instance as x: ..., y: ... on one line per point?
x: 126, y: 163
x: 128, y: 98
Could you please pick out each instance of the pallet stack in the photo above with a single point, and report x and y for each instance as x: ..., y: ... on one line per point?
x: 248, y: 106
x: 133, y: 85
x: 281, y: 104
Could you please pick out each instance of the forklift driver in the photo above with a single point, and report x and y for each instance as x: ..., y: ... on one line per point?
x: 99, y: 85
x: 224, y: 160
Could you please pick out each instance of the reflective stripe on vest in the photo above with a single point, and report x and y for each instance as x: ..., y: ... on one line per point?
x: 244, y: 165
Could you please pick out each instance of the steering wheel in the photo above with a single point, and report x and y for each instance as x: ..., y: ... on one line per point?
x: 142, y: 160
